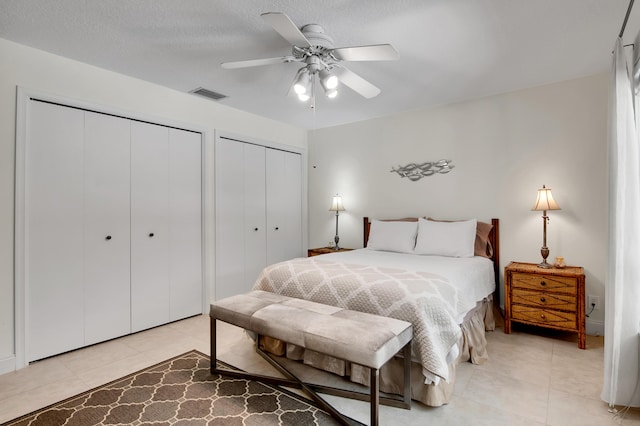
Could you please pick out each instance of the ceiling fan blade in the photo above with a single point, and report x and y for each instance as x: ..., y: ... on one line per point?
x: 286, y: 28
x: 355, y: 82
x: 375, y: 52
x: 258, y: 62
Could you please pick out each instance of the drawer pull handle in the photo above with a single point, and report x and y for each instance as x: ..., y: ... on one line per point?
x: 542, y: 299
x: 543, y: 317
x: 543, y: 283
x: 108, y: 237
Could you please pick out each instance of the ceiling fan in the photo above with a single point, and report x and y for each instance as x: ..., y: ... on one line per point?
x: 315, y: 49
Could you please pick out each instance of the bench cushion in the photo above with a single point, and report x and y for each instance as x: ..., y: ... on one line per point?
x: 359, y: 337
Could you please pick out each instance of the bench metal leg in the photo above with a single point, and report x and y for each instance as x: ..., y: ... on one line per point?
x: 374, y: 385
x: 213, y: 359
x: 374, y: 395
x: 406, y: 353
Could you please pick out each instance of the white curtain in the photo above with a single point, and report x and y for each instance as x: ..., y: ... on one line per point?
x: 622, y: 319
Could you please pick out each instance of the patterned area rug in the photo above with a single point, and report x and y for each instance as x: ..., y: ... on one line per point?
x: 180, y: 391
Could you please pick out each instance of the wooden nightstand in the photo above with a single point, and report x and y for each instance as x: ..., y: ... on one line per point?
x: 324, y: 250
x: 552, y: 298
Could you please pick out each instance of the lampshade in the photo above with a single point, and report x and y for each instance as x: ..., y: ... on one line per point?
x: 336, y: 204
x: 545, y: 200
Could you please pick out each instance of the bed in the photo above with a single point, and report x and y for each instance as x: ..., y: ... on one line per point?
x: 439, y: 275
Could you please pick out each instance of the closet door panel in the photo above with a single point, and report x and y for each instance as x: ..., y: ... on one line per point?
x: 230, y: 227
x: 107, y: 227
x: 53, y: 240
x: 185, y: 222
x: 284, y: 205
x: 255, y: 236
x: 293, y: 211
x: 149, y: 226
x: 240, y: 216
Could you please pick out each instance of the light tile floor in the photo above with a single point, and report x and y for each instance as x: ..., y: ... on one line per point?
x: 531, y: 378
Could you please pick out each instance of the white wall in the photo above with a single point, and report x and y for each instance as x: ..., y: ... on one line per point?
x: 503, y: 148
x: 34, y: 69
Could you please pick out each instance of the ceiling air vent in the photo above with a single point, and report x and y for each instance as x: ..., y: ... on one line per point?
x: 208, y: 94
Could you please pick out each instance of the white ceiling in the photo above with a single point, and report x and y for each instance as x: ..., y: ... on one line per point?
x: 450, y: 50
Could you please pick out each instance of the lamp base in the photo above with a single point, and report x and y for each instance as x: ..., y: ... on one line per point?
x: 545, y: 265
x: 336, y: 239
x: 544, y: 251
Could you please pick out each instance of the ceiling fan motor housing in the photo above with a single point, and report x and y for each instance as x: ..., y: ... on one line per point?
x: 321, y: 43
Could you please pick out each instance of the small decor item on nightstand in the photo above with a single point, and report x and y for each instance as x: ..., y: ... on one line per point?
x: 336, y: 206
x: 559, y: 263
x: 545, y: 202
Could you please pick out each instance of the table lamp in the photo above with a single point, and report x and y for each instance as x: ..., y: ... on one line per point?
x: 336, y: 206
x: 544, y: 202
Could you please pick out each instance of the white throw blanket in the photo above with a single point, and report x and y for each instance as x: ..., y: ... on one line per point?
x: 426, y: 300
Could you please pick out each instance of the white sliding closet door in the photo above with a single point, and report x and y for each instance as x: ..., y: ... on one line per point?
x: 54, y: 233
x: 106, y: 227
x: 240, y: 216
x: 284, y: 205
x: 185, y: 222
x: 230, y: 258
x: 255, y: 223
x: 150, y: 292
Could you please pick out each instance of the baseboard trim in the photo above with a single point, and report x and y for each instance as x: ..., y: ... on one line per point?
x: 7, y: 365
x: 595, y: 328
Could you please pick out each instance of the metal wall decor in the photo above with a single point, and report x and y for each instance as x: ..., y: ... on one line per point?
x: 414, y: 172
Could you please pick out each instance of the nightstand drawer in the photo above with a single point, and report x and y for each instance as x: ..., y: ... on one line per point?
x: 544, y: 282
x: 565, y: 302
x: 545, y: 317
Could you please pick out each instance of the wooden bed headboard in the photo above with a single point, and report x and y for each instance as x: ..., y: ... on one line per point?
x: 494, y: 239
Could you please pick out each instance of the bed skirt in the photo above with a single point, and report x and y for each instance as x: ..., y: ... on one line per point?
x: 473, y: 348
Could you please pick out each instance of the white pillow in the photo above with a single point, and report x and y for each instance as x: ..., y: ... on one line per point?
x: 453, y: 239
x: 393, y: 236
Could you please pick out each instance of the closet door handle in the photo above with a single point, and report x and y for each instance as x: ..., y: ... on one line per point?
x: 255, y: 229
x: 277, y: 228
x: 151, y: 234
x: 108, y: 237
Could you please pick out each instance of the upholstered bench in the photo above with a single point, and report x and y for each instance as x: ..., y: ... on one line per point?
x: 361, y: 338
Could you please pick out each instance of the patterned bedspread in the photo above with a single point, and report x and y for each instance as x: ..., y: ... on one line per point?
x: 426, y: 300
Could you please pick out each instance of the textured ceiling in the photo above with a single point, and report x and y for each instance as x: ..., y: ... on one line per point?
x: 450, y: 50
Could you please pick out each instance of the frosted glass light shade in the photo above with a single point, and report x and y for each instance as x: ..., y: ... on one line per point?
x: 302, y: 83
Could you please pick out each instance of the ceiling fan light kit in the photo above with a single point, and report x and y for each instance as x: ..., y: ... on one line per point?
x: 314, y: 48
